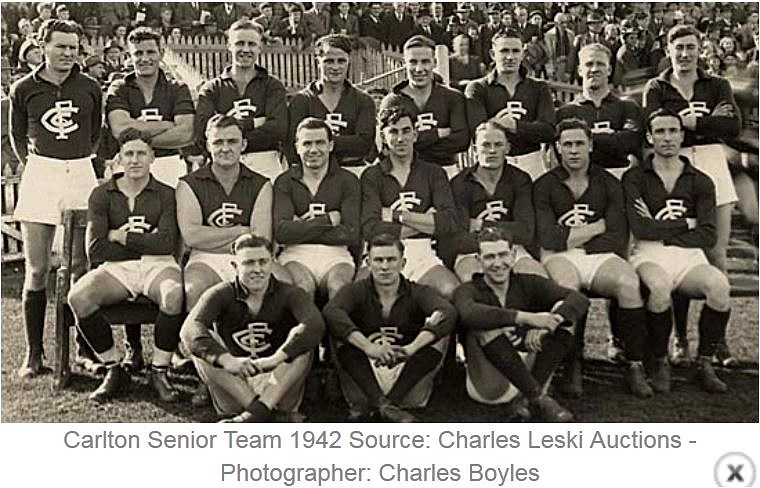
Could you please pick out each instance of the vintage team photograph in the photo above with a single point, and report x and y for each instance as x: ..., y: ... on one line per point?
x: 379, y: 212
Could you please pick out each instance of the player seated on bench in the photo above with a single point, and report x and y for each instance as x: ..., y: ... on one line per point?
x: 505, y: 313
x: 671, y: 210
x: 390, y: 336
x: 583, y: 233
x: 132, y: 236
x: 252, y: 337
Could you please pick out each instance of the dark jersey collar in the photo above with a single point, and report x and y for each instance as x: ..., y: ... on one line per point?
x: 152, y: 185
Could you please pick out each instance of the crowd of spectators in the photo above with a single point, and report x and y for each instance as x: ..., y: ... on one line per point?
x: 553, y: 31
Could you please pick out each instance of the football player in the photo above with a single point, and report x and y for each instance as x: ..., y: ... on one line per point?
x: 671, y: 209
x: 411, y: 199
x: 348, y: 111
x: 55, y: 117
x: 582, y: 231
x: 256, y: 99
x: 390, y: 335
x: 440, y: 113
x: 507, y: 313
x: 520, y: 104
x: 251, y: 337
x: 132, y: 236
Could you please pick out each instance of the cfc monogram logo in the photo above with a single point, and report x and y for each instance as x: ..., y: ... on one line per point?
x: 493, y: 212
x: 386, y: 335
x: 698, y: 109
x: 405, y: 202
x: 58, y: 119
x: 577, y: 216
x: 224, y: 216
x: 242, y: 109
x: 150, y: 115
x: 336, y: 122
x: 674, y: 209
x: 137, y: 224
x: 515, y: 110
x: 253, y: 340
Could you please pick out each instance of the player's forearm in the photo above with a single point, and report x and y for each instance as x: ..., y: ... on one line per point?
x: 424, y: 338
x: 18, y: 144
x: 421, y: 222
x: 196, y: 337
x: 578, y: 236
x: 176, y: 137
x: 152, y: 128
x: 211, y: 239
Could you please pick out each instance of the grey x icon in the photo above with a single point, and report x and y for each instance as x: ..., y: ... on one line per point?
x: 735, y: 469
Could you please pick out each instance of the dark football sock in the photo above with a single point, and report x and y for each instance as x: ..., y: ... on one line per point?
x: 681, y: 314
x: 633, y: 331
x: 133, y: 335
x: 33, y: 303
x: 259, y: 412
x: 506, y: 359
x: 554, y: 348
x: 356, y: 364
x: 417, y: 367
x: 658, y: 328
x: 166, y: 331
x: 576, y: 352
x: 712, y: 329
x: 97, y: 332
x: 613, y: 313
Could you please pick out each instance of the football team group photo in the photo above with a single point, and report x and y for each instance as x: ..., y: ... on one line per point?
x: 380, y: 212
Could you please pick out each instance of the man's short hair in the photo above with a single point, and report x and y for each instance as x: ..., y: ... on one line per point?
x: 142, y: 34
x: 251, y: 240
x: 337, y: 41
x: 245, y: 24
x: 488, y: 125
x: 44, y: 5
x: 662, y: 112
x: 385, y: 240
x: 132, y: 134
x: 493, y: 234
x: 596, y: 47
x: 220, y: 121
x: 506, y: 33
x: 682, y: 30
x: 295, y: 7
x: 394, y: 112
x: 314, y: 123
x: 573, y: 123
x: 419, y: 41
x: 58, y: 25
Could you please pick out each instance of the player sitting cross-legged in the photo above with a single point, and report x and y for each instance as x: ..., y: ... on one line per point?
x: 251, y: 337
x: 583, y: 235
x: 390, y: 335
x: 132, y: 235
x: 671, y: 209
x: 506, y: 313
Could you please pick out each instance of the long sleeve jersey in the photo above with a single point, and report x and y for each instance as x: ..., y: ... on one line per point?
x: 693, y: 197
x: 338, y: 191
x: 557, y: 211
x: 151, y: 224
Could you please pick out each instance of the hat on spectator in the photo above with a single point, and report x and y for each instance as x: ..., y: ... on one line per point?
x: 43, y: 5
x: 424, y: 11
x: 628, y: 27
x: 91, y: 61
x: 594, y: 17
x: 464, y: 7
x: 539, y: 13
x: 27, y: 46
x: 112, y: 44
x: 61, y: 8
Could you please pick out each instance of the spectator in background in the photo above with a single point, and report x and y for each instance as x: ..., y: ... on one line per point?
x: 486, y: 32
x: 371, y: 22
x: 292, y: 27
x: 25, y: 33
x: 345, y: 22
x: 113, y: 14
x: 559, y: 49
x: 29, y: 56
x: 521, y: 22
x: 225, y: 14
x: 460, y: 22
x: 317, y: 20
x: 139, y: 14
x: 592, y: 36
x: 436, y: 8
x: 397, y: 26
x: 44, y: 12
x: 266, y: 17
x: 166, y: 20
x: 62, y: 12
x: 538, y: 18
x: 112, y: 55
x: 96, y: 68
x: 628, y: 59
x: 427, y: 28
x: 464, y: 66
x: 188, y: 16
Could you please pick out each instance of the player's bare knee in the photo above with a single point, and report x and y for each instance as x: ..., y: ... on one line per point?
x: 81, y: 301
x: 628, y: 291
x: 171, y: 298
x: 36, y: 275
x: 718, y: 293
x: 659, y: 296
x: 193, y: 292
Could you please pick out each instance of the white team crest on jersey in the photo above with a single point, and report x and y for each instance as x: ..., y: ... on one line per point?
x: 58, y: 119
x: 405, y: 202
x: 426, y: 121
x: 225, y: 215
x: 494, y: 211
x: 515, y: 109
x: 336, y: 122
x: 577, y: 216
x: 136, y: 224
x: 150, y: 115
x: 242, y: 109
x: 697, y: 109
x: 253, y: 339
x: 674, y: 209
x: 386, y: 335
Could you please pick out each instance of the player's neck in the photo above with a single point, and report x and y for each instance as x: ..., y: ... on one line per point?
x: 147, y: 81
x: 499, y: 289
x: 401, y: 161
x: 489, y: 175
x: 510, y: 78
x: 596, y: 94
x: 332, y: 88
x: 666, y: 163
x: 420, y: 90
x: 54, y: 76
x: 388, y: 291
x: 580, y: 174
x: 132, y: 186
x: 684, y: 77
x: 243, y: 72
x: 226, y: 173
x: 316, y: 174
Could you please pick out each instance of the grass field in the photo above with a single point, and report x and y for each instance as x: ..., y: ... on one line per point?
x: 605, y: 399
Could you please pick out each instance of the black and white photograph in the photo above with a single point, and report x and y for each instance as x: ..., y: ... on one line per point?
x: 361, y: 212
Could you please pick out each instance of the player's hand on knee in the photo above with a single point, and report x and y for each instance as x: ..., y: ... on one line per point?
x: 241, y: 366
x: 264, y: 365
x: 533, y: 339
x: 543, y: 320
x: 434, y: 318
